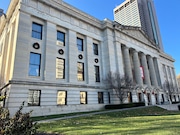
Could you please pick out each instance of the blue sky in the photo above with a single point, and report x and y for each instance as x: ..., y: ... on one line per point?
x: 168, y: 13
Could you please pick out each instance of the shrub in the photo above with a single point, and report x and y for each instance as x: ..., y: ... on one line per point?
x: 19, y: 124
x: 175, y: 102
x: 2, y: 97
x: 121, y: 106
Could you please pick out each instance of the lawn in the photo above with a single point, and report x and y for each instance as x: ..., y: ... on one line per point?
x: 147, y: 121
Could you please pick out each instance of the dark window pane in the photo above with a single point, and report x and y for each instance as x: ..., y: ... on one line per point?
x: 35, y: 58
x: 37, y: 30
x: 80, y: 72
x: 100, y: 98
x: 97, y: 74
x: 33, y: 70
x: 61, y: 37
x: 80, y: 44
x: 95, y: 49
x: 34, y: 64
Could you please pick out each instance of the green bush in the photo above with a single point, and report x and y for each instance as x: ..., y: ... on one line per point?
x: 19, y: 124
x: 2, y: 97
x: 121, y: 106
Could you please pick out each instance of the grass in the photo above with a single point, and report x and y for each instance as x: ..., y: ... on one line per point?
x: 46, y: 117
x: 146, y: 121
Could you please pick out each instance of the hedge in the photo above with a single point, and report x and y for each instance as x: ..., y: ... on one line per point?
x: 121, y: 106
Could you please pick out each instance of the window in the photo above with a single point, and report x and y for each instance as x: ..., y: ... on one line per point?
x: 62, y: 97
x: 36, y: 30
x: 34, y: 64
x: 95, y: 48
x: 97, y: 74
x: 80, y: 71
x: 61, y: 38
x: 83, y: 97
x: 140, y: 97
x: 34, y: 98
x: 80, y: 44
x: 100, y: 98
x: 60, y: 68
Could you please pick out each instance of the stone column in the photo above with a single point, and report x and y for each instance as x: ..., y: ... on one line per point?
x: 127, y: 63
x: 174, y: 78
x: 119, y: 58
x: 152, y: 71
x: 137, y: 68
x: 145, y: 68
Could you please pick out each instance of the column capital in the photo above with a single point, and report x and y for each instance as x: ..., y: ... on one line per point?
x: 124, y: 46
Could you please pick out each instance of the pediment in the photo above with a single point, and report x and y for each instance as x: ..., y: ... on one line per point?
x: 139, y: 35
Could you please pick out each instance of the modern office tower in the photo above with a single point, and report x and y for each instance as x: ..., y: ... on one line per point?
x: 140, y: 13
x: 1, y: 12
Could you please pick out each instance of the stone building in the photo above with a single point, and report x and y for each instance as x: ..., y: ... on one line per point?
x: 55, y: 58
x: 178, y: 80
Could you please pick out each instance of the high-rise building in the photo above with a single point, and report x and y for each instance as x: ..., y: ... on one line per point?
x: 1, y: 12
x: 140, y: 13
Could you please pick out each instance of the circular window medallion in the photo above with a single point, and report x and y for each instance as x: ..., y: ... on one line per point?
x: 61, y: 51
x: 96, y: 60
x: 80, y: 56
x: 36, y: 46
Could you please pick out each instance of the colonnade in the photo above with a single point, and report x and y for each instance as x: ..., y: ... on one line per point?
x: 134, y: 62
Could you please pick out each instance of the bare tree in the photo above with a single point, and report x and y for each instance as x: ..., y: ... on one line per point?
x: 120, y: 84
x: 169, y: 89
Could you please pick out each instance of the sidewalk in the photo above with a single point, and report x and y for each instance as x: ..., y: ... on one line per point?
x: 88, y: 114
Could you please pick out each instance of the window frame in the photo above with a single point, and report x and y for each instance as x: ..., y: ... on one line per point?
x: 33, y: 98
x: 59, y: 39
x: 63, y: 70
x: 97, y: 73
x: 36, y: 31
x: 82, y: 100
x: 95, y: 49
x: 101, y: 97
x: 65, y: 98
x: 81, y: 72
x: 80, y: 46
x: 32, y: 64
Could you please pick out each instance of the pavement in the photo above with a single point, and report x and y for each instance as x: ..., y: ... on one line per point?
x: 89, y: 114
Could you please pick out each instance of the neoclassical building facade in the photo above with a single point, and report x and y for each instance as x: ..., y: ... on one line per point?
x: 56, y: 57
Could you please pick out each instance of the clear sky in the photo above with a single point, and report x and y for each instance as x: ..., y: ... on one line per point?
x: 168, y: 13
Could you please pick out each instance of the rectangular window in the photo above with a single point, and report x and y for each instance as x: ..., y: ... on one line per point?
x: 34, y: 64
x: 100, y: 98
x: 36, y: 30
x: 60, y: 38
x: 80, y: 44
x: 95, y: 48
x: 34, y: 98
x: 62, y: 98
x: 83, y: 97
x: 60, y: 68
x: 97, y: 74
x: 80, y: 71
x: 140, y: 97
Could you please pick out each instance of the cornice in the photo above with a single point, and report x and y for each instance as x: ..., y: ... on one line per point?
x: 166, y: 56
x: 41, y: 83
x: 69, y: 10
